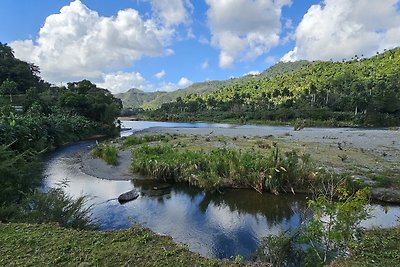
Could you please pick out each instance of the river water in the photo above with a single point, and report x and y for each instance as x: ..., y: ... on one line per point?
x: 215, y: 225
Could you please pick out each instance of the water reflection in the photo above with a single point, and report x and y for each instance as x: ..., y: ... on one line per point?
x: 215, y: 225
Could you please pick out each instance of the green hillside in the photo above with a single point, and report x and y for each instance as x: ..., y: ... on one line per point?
x: 360, y: 91
x: 135, y: 98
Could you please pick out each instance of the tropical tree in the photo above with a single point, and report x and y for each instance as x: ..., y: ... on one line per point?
x: 8, y: 87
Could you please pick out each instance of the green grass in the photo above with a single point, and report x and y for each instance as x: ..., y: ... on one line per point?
x: 51, y: 245
x: 107, y: 152
x: 377, y: 248
x: 216, y: 167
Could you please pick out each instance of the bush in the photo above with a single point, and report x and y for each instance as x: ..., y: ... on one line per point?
x: 19, y: 173
x: 278, y: 250
x: 335, y: 224
x: 55, y: 206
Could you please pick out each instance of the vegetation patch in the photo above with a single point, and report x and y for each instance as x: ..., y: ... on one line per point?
x: 215, y: 163
x: 376, y: 248
x: 141, y: 139
x: 51, y: 245
x: 107, y: 152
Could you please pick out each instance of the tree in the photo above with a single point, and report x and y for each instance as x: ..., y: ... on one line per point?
x: 8, y: 87
x: 335, y: 223
x: 6, y: 52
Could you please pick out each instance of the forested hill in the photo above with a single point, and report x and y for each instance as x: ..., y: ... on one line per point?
x: 361, y: 91
x: 135, y: 98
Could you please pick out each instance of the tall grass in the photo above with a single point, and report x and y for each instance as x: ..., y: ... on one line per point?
x: 55, y: 206
x: 271, y: 170
x: 106, y: 152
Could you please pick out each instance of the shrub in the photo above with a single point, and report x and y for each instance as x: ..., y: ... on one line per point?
x: 278, y: 250
x: 55, y: 206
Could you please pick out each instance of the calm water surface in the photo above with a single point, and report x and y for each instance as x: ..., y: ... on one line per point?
x: 215, y: 225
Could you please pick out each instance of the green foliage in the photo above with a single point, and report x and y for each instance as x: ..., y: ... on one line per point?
x: 8, y: 88
x: 50, y: 245
x: 107, y: 152
x: 136, y: 100
x: 84, y: 98
x: 39, y: 132
x: 21, y: 74
x: 335, y: 225
x: 52, y: 117
x: 19, y: 173
x: 376, y: 248
x: 221, y: 167
x: 55, y: 206
x: 278, y: 250
x: 357, y: 92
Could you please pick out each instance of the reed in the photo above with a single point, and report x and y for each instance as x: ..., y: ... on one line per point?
x: 268, y: 170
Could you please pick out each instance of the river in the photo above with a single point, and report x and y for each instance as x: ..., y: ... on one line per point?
x: 215, y: 225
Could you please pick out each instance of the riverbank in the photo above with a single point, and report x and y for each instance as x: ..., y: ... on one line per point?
x: 51, y: 245
x: 370, y: 156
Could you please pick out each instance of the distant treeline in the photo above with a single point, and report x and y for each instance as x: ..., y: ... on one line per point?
x: 359, y: 91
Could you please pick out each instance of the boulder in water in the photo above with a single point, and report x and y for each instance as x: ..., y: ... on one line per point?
x: 128, y: 196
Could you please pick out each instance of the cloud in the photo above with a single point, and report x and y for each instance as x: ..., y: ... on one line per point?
x: 205, y: 64
x: 244, y: 29
x: 78, y: 43
x: 169, y: 86
x: 184, y: 82
x: 253, y: 73
x: 123, y: 81
x: 270, y: 60
x: 172, y: 12
x: 160, y: 75
x: 338, y: 29
x: 203, y: 40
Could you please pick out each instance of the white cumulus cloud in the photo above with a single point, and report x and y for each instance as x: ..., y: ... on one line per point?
x: 184, y: 82
x: 172, y: 12
x: 78, y: 43
x: 252, y: 72
x: 244, y: 29
x: 170, y: 86
x: 160, y: 75
x: 123, y: 81
x: 339, y: 29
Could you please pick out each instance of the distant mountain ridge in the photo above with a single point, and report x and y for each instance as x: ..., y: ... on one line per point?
x: 135, y: 98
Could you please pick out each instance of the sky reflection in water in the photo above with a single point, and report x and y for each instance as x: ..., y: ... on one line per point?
x: 214, y: 225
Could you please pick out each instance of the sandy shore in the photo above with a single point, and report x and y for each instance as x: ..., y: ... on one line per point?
x: 378, y: 142
x: 98, y: 168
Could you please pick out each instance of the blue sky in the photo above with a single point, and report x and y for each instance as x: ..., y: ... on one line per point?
x: 166, y: 45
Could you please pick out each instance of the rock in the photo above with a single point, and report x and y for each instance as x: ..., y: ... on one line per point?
x: 128, y: 196
x: 386, y: 195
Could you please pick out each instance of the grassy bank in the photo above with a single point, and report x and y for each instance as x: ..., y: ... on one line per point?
x: 214, y: 162
x: 257, y: 162
x: 377, y: 248
x: 50, y: 245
